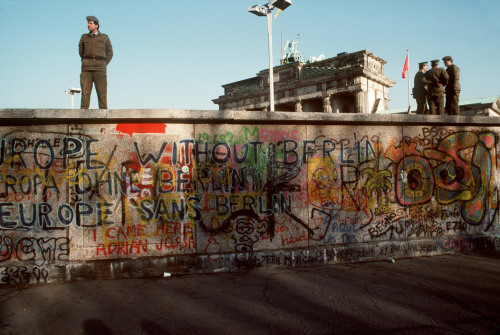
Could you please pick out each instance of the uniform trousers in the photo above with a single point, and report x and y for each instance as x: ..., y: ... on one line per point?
x: 87, y: 79
x: 421, y: 105
x: 451, y: 105
x: 436, y: 103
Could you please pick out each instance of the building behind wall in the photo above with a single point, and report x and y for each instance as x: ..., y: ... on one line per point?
x: 348, y: 83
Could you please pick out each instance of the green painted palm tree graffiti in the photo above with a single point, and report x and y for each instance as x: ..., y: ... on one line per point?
x: 381, y: 182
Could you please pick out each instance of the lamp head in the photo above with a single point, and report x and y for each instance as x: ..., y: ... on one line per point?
x: 73, y: 91
x: 258, y: 10
x: 281, y: 4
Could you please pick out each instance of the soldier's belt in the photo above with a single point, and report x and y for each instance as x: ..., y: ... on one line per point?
x: 94, y: 57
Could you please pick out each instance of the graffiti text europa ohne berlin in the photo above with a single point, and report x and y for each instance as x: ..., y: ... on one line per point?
x: 185, y: 150
x: 82, y: 182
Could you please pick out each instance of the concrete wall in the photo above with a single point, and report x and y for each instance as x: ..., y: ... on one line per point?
x: 129, y: 193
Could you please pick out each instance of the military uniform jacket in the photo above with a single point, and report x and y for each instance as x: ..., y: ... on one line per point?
x: 419, y: 89
x: 95, y: 51
x: 454, y: 81
x: 436, y: 78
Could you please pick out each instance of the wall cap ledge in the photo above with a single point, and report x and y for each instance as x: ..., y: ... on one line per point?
x: 49, y: 116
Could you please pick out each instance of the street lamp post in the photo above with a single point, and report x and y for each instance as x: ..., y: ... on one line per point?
x: 271, y: 67
x: 72, y: 91
x: 265, y: 10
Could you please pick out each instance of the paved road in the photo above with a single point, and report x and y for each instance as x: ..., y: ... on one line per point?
x: 452, y: 294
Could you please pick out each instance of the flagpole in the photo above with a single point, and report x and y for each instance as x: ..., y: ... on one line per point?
x: 281, y: 35
x: 409, y: 100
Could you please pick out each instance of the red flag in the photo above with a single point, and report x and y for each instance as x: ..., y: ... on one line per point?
x: 405, y: 68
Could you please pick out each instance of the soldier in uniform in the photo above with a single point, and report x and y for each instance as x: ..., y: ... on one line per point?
x: 436, y: 79
x: 453, y: 87
x: 96, y: 52
x: 420, y: 88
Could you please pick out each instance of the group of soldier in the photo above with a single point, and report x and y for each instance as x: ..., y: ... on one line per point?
x: 431, y: 86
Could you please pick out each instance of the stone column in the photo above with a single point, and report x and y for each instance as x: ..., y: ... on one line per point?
x: 335, y: 105
x: 327, y: 105
x: 298, y: 106
x: 359, y: 103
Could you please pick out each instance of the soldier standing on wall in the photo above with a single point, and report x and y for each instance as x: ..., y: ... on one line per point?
x: 420, y: 89
x: 453, y: 87
x: 96, y: 52
x: 436, y: 78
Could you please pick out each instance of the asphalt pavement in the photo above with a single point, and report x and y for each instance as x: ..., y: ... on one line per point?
x: 449, y: 294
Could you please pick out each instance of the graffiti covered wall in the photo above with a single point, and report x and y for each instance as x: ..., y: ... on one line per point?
x: 136, y: 199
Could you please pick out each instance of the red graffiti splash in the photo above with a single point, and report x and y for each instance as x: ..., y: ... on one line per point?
x: 141, y: 128
x: 474, y: 208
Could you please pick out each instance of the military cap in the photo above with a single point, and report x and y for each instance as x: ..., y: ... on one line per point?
x: 434, y: 61
x: 93, y: 18
x: 447, y: 58
x: 422, y: 63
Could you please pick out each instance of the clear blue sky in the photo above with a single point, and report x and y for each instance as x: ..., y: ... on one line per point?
x: 177, y: 54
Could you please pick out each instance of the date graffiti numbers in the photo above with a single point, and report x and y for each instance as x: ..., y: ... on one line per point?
x: 18, y: 275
